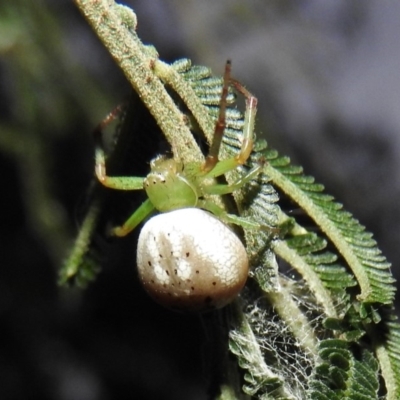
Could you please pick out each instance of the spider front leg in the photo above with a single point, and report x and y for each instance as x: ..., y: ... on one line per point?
x: 113, y: 182
x: 214, y: 168
x: 212, y: 165
x: 220, y: 189
x: 119, y: 182
x: 249, y: 120
x: 219, y: 168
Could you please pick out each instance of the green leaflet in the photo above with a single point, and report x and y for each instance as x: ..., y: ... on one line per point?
x: 356, y: 246
x: 341, y: 376
x: 82, y: 266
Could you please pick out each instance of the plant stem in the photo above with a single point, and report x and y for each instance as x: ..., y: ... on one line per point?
x: 113, y: 24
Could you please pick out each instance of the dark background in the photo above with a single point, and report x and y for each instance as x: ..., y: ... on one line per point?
x: 326, y: 76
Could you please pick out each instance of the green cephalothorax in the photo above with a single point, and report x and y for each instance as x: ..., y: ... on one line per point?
x: 167, y: 186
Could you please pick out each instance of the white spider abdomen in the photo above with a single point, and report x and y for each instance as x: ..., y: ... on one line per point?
x: 189, y: 260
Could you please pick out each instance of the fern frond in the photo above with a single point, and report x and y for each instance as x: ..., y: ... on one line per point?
x: 326, y: 275
x: 275, y: 363
x: 349, y: 237
x: 81, y: 266
x: 327, y: 279
x: 388, y: 354
x: 393, y: 348
x: 259, y: 377
x: 341, y: 376
x: 355, y: 245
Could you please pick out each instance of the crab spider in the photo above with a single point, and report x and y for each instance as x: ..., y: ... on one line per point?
x: 187, y: 257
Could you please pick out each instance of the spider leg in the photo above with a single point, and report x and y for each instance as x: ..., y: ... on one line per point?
x: 114, y: 182
x: 212, y: 166
x: 141, y: 213
x: 229, y: 218
x: 212, y: 157
x: 249, y: 118
x: 220, y: 189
